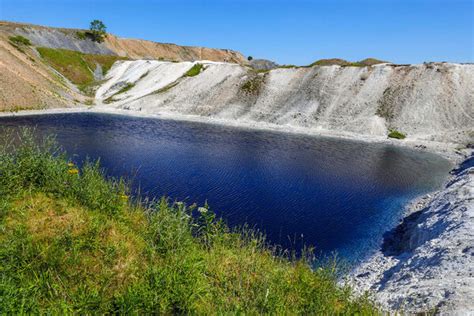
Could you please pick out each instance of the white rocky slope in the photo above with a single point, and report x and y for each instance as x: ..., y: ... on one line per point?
x: 428, y: 102
x: 427, y: 262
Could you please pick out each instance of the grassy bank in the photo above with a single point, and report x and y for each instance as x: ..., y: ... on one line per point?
x: 77, y: 67
x: 73, y: 241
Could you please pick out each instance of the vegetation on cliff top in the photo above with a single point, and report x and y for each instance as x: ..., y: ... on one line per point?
x: 98, y: 30
x: 345, y: 63
x: 72, y: 241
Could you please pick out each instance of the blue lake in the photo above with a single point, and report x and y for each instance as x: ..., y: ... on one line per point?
x: 336, y: 195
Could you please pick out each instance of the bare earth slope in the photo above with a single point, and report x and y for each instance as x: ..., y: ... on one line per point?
x: 26, y: 82
x: 432, y: 102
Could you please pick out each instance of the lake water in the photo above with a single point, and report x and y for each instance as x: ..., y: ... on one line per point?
x: 336, y: 195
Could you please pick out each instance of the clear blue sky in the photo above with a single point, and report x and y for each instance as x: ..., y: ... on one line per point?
x: 289, y: 32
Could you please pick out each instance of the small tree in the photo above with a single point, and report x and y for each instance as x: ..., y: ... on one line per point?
x: 97, y: 30
x: 249, y: 58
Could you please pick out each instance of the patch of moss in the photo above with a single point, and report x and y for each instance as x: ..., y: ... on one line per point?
x: 385, y: 105
x: 109, y: 100
x: 194, y: 71
x: 396, y: 134
x: 344, y: 63
x: 252, y: 85
x: 126, y: 88
x: 143, y: 76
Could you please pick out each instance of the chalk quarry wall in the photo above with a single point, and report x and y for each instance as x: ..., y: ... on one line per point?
x: 430, y: 101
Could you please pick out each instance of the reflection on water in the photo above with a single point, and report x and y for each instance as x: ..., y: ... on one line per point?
x: 336, y: 195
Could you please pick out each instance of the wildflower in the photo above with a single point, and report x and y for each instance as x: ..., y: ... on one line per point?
x: 70, y: 164
x: 73, y: 171
x: 124, y: 197
x: 202, y: 210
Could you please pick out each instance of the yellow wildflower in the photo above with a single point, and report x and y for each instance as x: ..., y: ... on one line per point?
x: 124, y: 197
x: 73, y: 171
x: 70, y: 164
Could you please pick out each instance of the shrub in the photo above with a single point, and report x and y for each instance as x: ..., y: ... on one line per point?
x: 81, y: 35
x: 19, y: 40
x: 396, y: 134
x: 250, y: 58
x: 194, y: 70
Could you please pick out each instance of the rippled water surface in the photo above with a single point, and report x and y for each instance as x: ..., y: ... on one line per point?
x: 336, y: 195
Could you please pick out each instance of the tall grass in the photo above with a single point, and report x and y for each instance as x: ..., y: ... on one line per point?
x: 72, y: 241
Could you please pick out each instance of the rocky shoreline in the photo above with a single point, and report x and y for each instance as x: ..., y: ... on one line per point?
x: 426, y: 263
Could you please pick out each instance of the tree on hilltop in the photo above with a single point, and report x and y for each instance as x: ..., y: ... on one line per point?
x: 97, y: 30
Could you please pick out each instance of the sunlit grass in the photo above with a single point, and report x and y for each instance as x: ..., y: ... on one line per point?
x: 77, y: 67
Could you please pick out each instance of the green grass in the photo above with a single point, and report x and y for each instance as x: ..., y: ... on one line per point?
x: 81, y: 35
x: 20, y: 40
x: 76, y: 66
x: 344, y: 63
x: 396, y: 134
x: 72, y: 241
x: 194, y: 70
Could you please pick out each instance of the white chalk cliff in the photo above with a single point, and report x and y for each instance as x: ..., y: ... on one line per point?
x: 429, y: 102
x: 427, y: 262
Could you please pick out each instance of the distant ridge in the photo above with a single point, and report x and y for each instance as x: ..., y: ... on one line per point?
x: 343, y: 62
